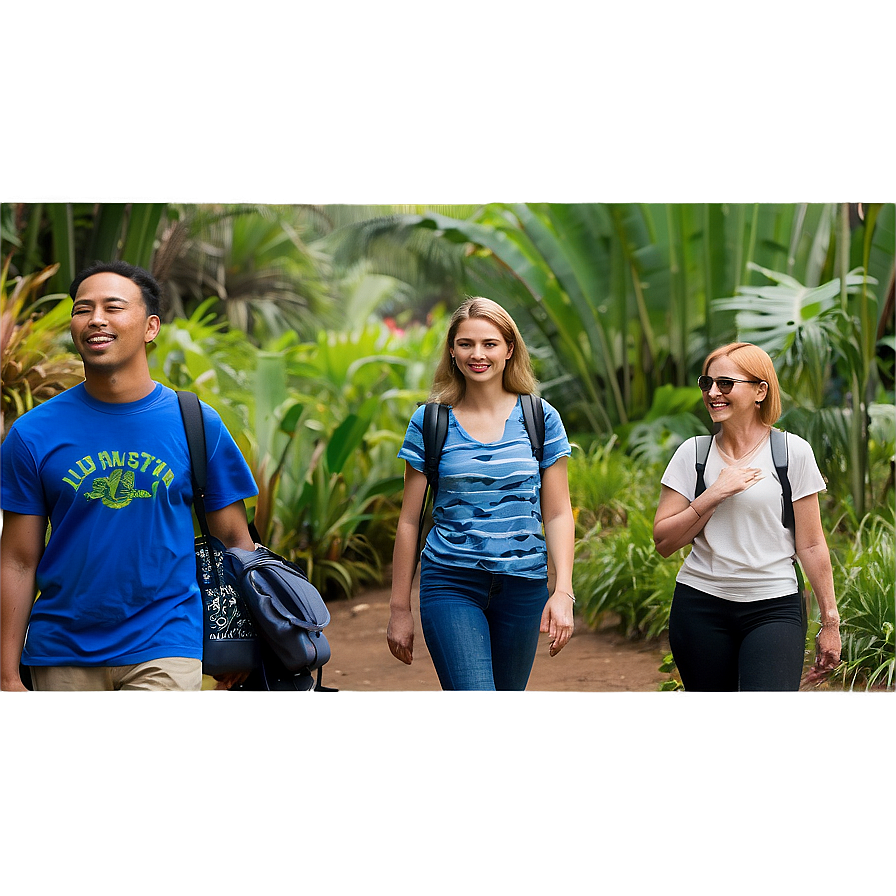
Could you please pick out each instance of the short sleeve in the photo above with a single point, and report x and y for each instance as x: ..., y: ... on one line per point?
x: 556, y: 444
x: 681, y: 473
x: 22, y: 490
x: 802, y: 468
x: 229, y: 476
x: 412, y: 447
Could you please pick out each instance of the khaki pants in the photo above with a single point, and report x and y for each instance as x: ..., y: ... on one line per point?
x: 169, y: 673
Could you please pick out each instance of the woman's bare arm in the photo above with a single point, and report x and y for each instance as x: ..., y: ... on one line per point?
x: 400, y: 633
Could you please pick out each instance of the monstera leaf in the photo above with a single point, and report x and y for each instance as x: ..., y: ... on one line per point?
x: 801, y: 327
x: 774, y: 317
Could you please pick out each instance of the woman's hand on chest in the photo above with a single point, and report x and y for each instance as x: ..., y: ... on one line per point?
x: 734, y: 480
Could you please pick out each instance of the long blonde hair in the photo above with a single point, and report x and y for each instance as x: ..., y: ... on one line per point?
x: 449, y: 385
x: 756, y: 363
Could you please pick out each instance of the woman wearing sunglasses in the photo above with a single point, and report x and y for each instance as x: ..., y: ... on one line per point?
x: 738, y: 619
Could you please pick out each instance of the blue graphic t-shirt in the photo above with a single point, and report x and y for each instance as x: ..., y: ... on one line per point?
x: 118, y: 577
x: 487, y: 514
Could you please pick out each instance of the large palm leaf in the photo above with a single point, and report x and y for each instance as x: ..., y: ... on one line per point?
x: 255, y: 261
x: 411, y: 269
x: 544, y: 250
x: 797, y: 325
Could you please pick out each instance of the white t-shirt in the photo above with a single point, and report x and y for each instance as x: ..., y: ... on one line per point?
x: 744, y: 552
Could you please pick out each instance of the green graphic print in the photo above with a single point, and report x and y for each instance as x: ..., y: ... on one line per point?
x: 117, y: 489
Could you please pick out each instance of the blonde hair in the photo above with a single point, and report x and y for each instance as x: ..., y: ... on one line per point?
x: 449, y: 385
x: 756, y: 363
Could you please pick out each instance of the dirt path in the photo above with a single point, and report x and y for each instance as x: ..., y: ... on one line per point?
x: 592, y: 661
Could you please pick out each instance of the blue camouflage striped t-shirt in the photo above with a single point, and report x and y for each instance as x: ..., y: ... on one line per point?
x: 487, y: 514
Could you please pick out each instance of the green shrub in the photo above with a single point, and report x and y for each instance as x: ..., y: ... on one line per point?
x: 599, y: 482
x: 619, y: 571
x: 605, y: 484
x: 669, y: 422
x: 865, y: 583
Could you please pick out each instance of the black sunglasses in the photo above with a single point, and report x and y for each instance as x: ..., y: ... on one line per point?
x: 725, y: 383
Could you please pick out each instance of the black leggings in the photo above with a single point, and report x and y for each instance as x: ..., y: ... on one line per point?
x: 726, y: 645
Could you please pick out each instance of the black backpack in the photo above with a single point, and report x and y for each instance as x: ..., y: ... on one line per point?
x: 435, y: 430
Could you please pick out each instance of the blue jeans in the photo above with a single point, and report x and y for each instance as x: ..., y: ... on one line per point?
x: 481, y: 628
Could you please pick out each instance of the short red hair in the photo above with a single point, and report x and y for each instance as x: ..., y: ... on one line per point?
x: 757, y: 364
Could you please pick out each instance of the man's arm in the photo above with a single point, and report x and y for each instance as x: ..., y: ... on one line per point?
x: 21, y: 547
x: 229, y: 526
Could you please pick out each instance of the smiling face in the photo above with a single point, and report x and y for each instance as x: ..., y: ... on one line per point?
x: 480, y: 351
x: 740, y: 402
x: 110, y: 325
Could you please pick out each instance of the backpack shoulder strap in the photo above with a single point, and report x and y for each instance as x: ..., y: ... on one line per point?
x: 533, y: 420
x: 703, y: 444
x: 194, y: 425
x: 435, y: 429
x: 780, y: 458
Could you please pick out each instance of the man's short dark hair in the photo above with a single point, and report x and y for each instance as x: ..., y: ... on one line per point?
x: 149, y: 286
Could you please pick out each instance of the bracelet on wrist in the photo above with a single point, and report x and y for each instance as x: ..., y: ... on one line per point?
x: 699, y: 515
x: 831, y: 623
x: 569, y: 595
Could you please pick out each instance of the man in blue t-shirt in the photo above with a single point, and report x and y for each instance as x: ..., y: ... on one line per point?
x: 106, y: 463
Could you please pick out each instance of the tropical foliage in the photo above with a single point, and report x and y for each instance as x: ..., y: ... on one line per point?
x: 821, y: 335
x: 74, y: 235
x: 622, y: 294
x: 256, y: 262
x: 866, y: 591
x: 599, y: 480
x: 36, y: 364
x: 620, y: 576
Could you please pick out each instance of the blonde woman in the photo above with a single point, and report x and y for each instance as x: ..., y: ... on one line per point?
x: 483, y: 575
x: 738, y: 619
